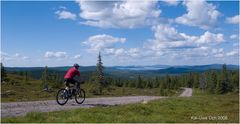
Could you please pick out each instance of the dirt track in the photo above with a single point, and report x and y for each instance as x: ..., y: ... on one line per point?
x: 13, y: 109
x: 187, y: 92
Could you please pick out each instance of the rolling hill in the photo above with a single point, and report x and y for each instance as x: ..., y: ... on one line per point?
x: 125, y: 71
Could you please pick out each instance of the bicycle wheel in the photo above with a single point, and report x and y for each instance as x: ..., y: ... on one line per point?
x: 80, y: 96
x: 62, y: 97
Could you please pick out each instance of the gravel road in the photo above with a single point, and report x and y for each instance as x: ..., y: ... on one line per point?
x: 13, y: 109
x: 187, y: 92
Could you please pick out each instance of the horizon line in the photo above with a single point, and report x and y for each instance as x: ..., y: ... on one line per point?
x: 120, y: 65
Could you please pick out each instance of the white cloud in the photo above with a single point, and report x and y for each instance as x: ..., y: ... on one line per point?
x: 200, y: 14
x: 219, y: 55
x: 134, y: 52
x: 233, y: 20
x: 123, y: 53
x: 119, y: 52
x: 4, y: 56
x: 62, y: 7
x: 108, y: 46
x: 234, y: 52
x: 172, y: 2
x: 77, y: 56
x: 25, y: 57
x: 50, y: 54
x: 15, y: 57
x: 169, y: 42
x: 209, y: 37
x: 102, y: 41
x: 17, y: 54
x: 118, y: 14
x: 233, y: 36
x: 167, y: 37
x: 63, y: 14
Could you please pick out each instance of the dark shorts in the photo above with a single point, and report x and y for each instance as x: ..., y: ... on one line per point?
x: 69, y: 80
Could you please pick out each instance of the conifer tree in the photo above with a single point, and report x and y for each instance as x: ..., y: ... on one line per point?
x: 100, y: 73
x: 224, y: 85
x: 3, y: 73
x: 139, y: 82
x: 44, y: 77
x: 26, y: 77
x: 212, y: 82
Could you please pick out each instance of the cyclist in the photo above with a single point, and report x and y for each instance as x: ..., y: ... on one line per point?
x: 69, y: 77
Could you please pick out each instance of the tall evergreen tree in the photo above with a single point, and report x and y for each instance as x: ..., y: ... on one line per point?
x: 225, y: 85
x: 139, y: 82
x: 156, y: 84
x: 190, y: 80
x: 235, y: 80
x: 196, y: 80
x: 203, y: 82
x: 3, y: 73
x: 100, y: 73
x: 212, y: 82
x: 44, y: 77
x: 168, y: 82
x: 26, y: 77
x: 162, y: 87
x: 149, y: 84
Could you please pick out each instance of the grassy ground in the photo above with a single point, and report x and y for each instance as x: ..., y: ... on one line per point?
x: 23, y: 91
x: 32, y: 91
x: 199, y: 108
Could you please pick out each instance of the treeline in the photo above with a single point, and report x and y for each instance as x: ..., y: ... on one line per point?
x: 50, y: 79
x: 213, y: 81
x: 26, y: 76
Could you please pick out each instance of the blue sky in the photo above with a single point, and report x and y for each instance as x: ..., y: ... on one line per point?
x: 126, y: 33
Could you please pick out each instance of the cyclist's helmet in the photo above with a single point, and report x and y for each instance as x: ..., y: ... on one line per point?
x: 76, y: 65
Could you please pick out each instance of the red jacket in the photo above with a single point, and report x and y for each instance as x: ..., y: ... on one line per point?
x: 72, y: 72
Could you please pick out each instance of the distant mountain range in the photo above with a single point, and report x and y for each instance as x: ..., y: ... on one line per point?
x: 128, y: 71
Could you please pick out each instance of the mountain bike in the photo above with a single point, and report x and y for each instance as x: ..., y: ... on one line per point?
x: 63, y: 95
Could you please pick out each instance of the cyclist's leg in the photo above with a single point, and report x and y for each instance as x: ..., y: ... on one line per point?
x: 67, y: 81
x: 66, y: 84
x: 76, y: 85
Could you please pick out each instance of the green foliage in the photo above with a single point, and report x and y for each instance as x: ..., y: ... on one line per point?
x: 190, y: 80
x: 140, y: 83
x: 44, y: 77
x: 50, y: 79
x: 100, y: 74
x: 224, y: 85
x: 149, y: 84
x: 3, y: 73
x: 196, y: 80
x: 26, y: 76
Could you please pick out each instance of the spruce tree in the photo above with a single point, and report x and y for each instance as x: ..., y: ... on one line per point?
x: 168, y: 82
x: 139, y: 82
x: 100, y: 73
x: 26, y: 77
x: 3, y: 73
x: 223, y: 85
x: 196, y: 80
x: 156, y: 84
x: 44, y: 77
x: 203, y: 82
x: 212, y: 82
x: 162, y: 87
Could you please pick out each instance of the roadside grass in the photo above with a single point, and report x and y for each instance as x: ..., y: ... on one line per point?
x: 31, y: 91
x: 217, y: 108
x: 23, y: 91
